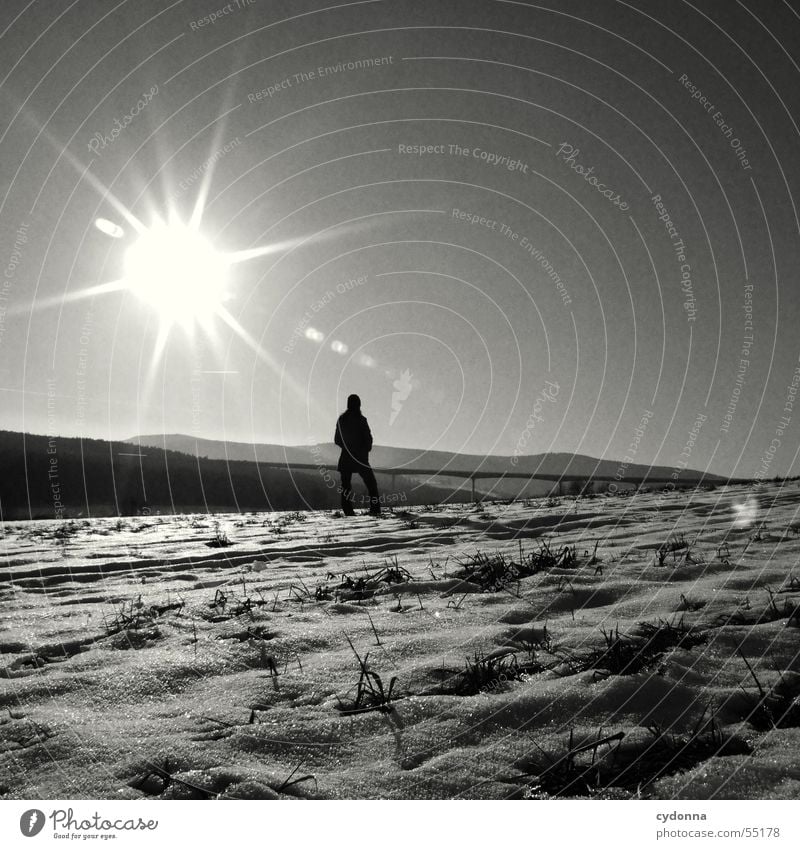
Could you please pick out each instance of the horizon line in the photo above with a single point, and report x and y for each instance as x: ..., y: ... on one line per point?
x: 454, y: 454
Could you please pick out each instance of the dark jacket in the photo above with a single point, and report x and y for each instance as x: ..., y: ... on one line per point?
x: 354, y: 437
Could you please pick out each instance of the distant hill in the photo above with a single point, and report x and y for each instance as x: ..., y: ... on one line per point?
x: 60, y: 477
x: 408, y: 459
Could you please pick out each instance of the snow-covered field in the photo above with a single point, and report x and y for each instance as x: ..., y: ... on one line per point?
x: 538, y: 649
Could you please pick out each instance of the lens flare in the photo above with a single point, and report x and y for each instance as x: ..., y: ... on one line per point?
x: 745, y: 513
x: 109, y: 228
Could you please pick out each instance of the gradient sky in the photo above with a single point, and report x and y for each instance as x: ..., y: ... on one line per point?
x: 463, y: 323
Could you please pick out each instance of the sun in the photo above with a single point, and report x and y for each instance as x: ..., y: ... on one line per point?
x: 176, y: 271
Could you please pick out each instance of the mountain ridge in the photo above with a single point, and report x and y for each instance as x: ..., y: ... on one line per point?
x: 411, y: 460
x: 57, y: 477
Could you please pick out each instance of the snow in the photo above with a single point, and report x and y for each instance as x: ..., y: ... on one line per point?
x: 117, y: 670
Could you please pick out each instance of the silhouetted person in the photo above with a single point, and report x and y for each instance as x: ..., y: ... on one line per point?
x: 354, y: 437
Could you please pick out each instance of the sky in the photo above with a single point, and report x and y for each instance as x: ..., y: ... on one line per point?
x: 509, y: 227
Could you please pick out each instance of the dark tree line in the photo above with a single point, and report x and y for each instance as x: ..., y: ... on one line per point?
x: 62, y: 477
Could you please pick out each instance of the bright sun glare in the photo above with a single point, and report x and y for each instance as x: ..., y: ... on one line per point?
x: 178, y: 273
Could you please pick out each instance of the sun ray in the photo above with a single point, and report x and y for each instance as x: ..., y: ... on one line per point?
x: 90, y: 178
x: 112, y: 199
x: 249, y: 340
x: 183, y: 285
x: 212, y: 336
x: 205, y: 183
x: 263, y: 355
x: 158, y: 350
x: 81, y: 294
x: 332, y: 233
x: 234, y: 257
x: 216, y: 143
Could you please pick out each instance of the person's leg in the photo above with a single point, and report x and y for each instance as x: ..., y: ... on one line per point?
x: 347, y: 493
x: 368, y: 476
